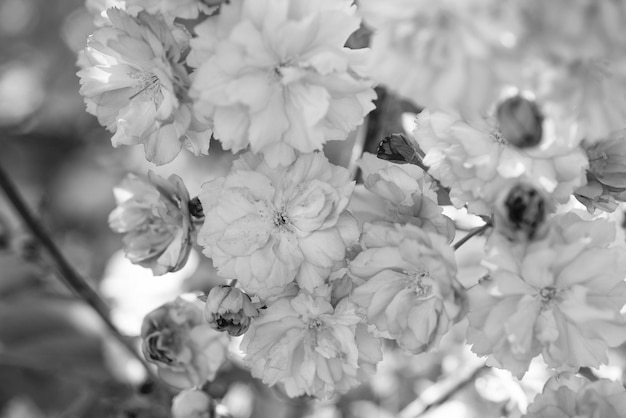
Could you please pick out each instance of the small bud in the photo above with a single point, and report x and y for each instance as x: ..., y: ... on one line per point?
x: 195, y: 208
x: 229, y: 309
x: 193, y: 403
x: 521, y: 212
x: 520, y: 121
x: 396, y: 148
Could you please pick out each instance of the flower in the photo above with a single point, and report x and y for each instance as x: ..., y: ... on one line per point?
x: 560, y: 296
x: 520, y: 121
x: 399, y: 193
x: 576, y: 396
x: 229, y: 309
x: 606, y: 176
x: 475, y: 161
x: 185, y: 349
x: 410, y: 290
x: 133, y: 81
x: 521, y: 211
x: 266, y: 227
x: 193, y: 403
x: 154, y: 215
x: 311, y: 347
x: 439, y: 55
x: 185, y: 9
x: 281, y: 79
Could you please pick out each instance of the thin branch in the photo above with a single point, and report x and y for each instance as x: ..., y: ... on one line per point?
x: 476, y: 231
x: 66, y: 272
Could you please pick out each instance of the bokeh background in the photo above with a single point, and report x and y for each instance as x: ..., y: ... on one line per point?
x: 56, y: 357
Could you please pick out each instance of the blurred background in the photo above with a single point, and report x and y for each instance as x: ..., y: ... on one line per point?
x: 56, y: 357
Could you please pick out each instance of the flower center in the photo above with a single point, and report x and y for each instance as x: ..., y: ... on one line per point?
x: 496, y: 136
x: 280, y: 219
x: 418, y: 282
x: 548, y: 295
x: 148, y: 85
x: 315, y: 324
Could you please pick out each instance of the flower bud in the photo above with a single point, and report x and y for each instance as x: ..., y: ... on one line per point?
x: 520, y: 121
x: 607, y: 161
x: 186, y: 351
x: 521, y: 211
x: 193, y: 403
x: 229, y: 309
x: 397, y: 149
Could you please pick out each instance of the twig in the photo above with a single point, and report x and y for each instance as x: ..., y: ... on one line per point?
x: 476, y: 231
x: 67, y: 273
x: 418, y: 407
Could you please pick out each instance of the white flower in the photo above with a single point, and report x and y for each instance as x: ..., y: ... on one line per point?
x: 567, y: 395
x: 185, y: 9
x: 439, y: 54
x: 229, y: 309
x: 266, y: 227
x: 560, y: 296
x: 133, y: 81
x: 399, y: 193
x: 154, y: 215
x: 187, y: 351
x: 310, y: 346
x: 475, y: 160
x: 192, y: 403
x: 281, y: 79
x: 410, y: 290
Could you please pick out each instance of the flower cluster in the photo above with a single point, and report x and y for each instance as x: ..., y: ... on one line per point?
x: 560, y: 296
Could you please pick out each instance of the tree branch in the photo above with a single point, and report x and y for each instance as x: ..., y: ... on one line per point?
x: 476, y: 231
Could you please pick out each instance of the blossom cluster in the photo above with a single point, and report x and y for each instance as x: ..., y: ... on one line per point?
x: 321, y: 270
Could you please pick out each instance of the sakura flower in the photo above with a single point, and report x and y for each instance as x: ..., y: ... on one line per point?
x: 560, y: 296
x: 606, y: 177
x: 476, y: 161
x: 281, y: 79
x: 266, y: 227
x: 193, y: 403
x: 185, y: 9
x: 576, y: 396
x: 410, y: 293
x: 399, y: 193
x: 177, y: 339
x: 311, y: 347
x: 154, y: 215
x: 229, y: 309
x: 133, y: 81
x: 440, y: 54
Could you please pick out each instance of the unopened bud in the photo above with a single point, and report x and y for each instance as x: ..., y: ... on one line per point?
x: 521, y: 212
x: 193, y: 403
x: 229, y: 309
x: 396, y: 148
x: 520, y: 121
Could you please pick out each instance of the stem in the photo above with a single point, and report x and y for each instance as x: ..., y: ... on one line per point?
x: 476, y: 231
x: 68, y: 275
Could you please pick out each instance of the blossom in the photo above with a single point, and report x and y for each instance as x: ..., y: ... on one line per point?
x: 475, y: 161
x: 521, y: 211
x: 560, y: 296
x: 177, y: 339
x: 567, y: 395
x: 154, y: 215
x: 410, y: 292
x: 281, y: 79
x: 439, y: 55
x: 520, y: 121
x: 399, y: 193
x: 229, y: 309
x: 133, y: 81
x: 193, y: 403
x: 266, y: 227
x: 311, y: 347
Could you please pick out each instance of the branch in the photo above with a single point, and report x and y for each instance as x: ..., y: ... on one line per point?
x: 476, y: 231
x: 68, y: 275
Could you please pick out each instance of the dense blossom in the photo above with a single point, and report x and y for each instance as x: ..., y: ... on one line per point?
x: 439, y: 54
x: 266, y: 227
x: 568, y: 395
x: 560, y: 296
x: 410, y: 292
x: 187, y: 351
x: 310, y: 346
x: 276, y: 76
x: 153, y: 213
x: 399, y: 193
x: 476, y: 161
x: 133, y: 81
